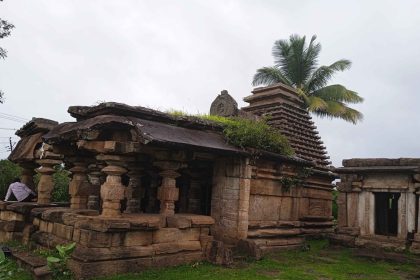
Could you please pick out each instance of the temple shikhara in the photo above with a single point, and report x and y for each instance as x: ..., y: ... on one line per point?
x: 153, y: 189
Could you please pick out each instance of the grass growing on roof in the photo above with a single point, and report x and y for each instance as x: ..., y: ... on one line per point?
x: 246, y: 133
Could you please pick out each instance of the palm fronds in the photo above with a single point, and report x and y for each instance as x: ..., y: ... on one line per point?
x: 295, y: 64
x: 269, y: 76
x: 338, y: 93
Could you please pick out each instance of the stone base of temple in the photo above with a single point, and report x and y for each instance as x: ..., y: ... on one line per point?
x: 16, y: 219
x: 388, y: 243
x: 105, y: 245
x: 415, y: 246
x: 86, y: 270
x: 270, y: 237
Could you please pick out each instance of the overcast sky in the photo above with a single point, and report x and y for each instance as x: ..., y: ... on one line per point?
x: 181, y: 54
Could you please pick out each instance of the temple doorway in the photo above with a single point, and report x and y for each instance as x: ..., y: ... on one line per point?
x: 386, y: 213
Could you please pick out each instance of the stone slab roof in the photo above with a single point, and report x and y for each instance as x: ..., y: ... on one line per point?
x: 380, y: 165
x: 147, y: 132
x: 152, y: 127
x: 31, y: 138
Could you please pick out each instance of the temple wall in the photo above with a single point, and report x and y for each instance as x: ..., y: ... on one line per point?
x: 357, y: 213
x: 230, y: 199
x: 280, y: 214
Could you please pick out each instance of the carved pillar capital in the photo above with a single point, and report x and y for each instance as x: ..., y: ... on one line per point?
x: 27, y: 174
x: 79, y: 187
x: 112, y: 191
x: 167, y: 192
x: 46, y: 183
x: 134, y: 191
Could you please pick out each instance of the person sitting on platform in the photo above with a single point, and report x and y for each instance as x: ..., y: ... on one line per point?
x: 20, y: 191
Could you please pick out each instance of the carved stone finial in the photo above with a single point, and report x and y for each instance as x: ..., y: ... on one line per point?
x: 224, y: 105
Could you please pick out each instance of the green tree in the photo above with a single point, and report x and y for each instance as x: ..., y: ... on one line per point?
x: 8, y: 171
x: 5, y: 30
x: 296, y: 65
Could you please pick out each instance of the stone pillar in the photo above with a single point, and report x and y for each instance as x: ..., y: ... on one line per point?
x: 46, y: 183
x: 151, y: 192
x: 418, y: 214
x: 230, y: 199
x: 79, y: 187
x: 415, y: 246
x: 194, y: 195
x: 135, y: 190
x: 96, y: 179
x: 168, y: 192
x: 27, y: 175
x: 244, y: 193
x: 112, y: 191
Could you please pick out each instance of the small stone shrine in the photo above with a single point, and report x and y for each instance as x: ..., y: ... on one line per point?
x: 150, y: 189
x: 378, y: 204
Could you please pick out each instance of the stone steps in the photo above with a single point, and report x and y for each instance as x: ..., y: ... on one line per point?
x: 36, y: 265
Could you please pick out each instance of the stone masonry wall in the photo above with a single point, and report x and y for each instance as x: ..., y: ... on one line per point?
x: 230, y: 199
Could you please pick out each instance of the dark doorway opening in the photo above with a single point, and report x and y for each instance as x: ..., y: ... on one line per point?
x: 417, y: 212
x: 386, y: 213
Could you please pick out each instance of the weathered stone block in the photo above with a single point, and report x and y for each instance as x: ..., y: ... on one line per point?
x: 166, y: 248
x: 76, y: 235
x: 63, y: 231
x: 96, y: 239
x: 6, y: 236
x: 138, y: 238
x: 11, y: 225
x: 178, y: 222
x: 166, y: 235
x: 11, y: 216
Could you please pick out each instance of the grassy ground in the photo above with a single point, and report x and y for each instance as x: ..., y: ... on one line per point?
x: 321, y: 263
x: 10, y: 271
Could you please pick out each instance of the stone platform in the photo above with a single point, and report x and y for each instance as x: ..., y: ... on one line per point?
x: 106, y: 246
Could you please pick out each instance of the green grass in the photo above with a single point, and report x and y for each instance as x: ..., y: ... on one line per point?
x: 246, y: 133
x: 320, y: 263
x: 9, y: 270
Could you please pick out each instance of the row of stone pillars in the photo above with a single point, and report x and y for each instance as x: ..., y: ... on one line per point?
x: 84, y: 189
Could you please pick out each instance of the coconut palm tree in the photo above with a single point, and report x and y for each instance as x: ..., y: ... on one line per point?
x: 296, y: 65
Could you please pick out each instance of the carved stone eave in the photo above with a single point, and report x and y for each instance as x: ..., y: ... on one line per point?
x: 106, y: 147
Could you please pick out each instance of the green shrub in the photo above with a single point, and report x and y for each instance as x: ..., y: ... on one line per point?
x: 246, y: 133
x: 8, y: 171
x: 61, y: 185
x: 61, y: 181
x: 57, y: 261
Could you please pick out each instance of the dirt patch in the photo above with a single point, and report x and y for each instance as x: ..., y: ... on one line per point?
x: 386, y: 256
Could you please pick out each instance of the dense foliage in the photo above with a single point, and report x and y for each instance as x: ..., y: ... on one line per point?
x: 296, y: 65
x: 5, y: 30
x: 9, y: 171
x: 61, y: 185
x: 258, y: 134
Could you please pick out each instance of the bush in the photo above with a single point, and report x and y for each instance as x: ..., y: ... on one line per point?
x: 258, y: 134
x: 8, y: 171
x: 61, y: 185
x: 61, y: 181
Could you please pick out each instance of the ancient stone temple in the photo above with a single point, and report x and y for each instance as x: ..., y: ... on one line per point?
x: 378, y: 204
x: 151, y: 189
